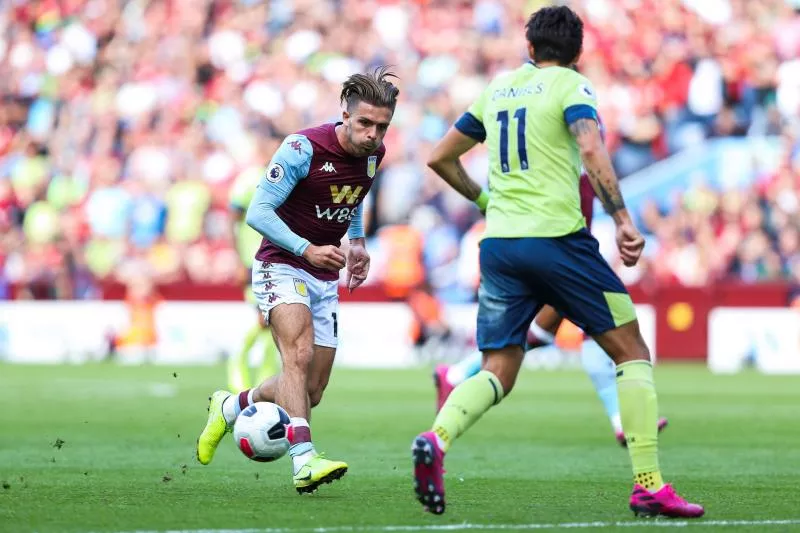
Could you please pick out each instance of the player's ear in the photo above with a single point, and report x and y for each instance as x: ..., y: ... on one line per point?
x: 530, y: 50
x: 345, y: 116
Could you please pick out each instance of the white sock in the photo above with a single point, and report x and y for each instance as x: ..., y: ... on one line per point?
x: 301, y: 452
x: 231, y: 408
x: 542, y: 334
x: 300, y: 460
x: 616, y: 423
x: 466, y: 368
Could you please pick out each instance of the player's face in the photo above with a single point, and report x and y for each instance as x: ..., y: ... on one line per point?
x: 366, y: 126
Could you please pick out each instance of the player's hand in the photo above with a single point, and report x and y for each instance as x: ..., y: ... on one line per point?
x: 327, y: 257
x: 357, y: 266
x: 630, y: 243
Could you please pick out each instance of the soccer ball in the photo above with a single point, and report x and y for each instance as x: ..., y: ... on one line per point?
x: 261, y: 432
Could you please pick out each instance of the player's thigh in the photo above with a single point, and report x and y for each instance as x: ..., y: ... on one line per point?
x: 582, y: 287
x: 286, y: 307
x: 293, y: 331
x: 506, y: 304
x: 548, y: 319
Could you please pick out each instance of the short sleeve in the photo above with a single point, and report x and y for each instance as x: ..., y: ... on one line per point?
x: 471, y: 122
x: 579, y: 99
x: 291, y: 161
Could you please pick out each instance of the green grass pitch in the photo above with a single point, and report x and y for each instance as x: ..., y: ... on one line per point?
x: 105, y: 448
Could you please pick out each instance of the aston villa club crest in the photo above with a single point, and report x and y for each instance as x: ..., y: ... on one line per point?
x: 372, y: 165
x: 300, y: 287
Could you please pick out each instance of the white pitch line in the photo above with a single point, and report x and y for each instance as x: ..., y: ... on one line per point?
x: 497, y: 527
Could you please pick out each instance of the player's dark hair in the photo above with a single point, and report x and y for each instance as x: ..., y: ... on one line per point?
x: 373, y: 88
x: 556, y: 34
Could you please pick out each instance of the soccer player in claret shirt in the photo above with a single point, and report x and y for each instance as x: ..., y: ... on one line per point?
x: 309, y: 197
x: 539, y: 121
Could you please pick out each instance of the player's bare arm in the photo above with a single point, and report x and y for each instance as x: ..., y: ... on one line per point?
x: 598, y: 166
x: 444, y: 160
x: 605, y: 183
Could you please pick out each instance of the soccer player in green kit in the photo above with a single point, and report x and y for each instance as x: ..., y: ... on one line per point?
x: 539, y: 122
x: 247, y: 242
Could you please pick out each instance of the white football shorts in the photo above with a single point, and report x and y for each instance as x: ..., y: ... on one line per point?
x: 275, y: 284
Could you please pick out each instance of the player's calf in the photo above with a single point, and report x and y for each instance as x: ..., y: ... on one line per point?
x: 315, y: 396
x: 504, y: 365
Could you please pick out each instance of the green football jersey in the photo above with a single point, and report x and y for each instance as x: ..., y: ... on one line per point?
x: 534, y: 163
x: 241, y: 194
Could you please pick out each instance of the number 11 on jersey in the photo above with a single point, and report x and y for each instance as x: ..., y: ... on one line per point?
x: 522, y: 152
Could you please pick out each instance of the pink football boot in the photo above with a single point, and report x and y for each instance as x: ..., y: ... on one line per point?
x: 428, y: 472
x: 665, y: 502
x: 443, y: 387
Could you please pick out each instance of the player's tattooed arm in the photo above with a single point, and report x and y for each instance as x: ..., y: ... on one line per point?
x: 444, y: 160
x: 598, y: 166
x: 463, y: 183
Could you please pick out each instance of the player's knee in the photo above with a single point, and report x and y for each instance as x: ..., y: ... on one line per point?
x: 508, y: 384
x: 624, y: 344
x: 505, y: 365
x: 643, y: 352
x: 636, y: 346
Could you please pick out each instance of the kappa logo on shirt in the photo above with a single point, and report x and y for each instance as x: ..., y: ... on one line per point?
x: 328, y: 167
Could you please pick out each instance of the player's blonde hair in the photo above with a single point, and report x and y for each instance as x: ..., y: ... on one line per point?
x: 373, y: 88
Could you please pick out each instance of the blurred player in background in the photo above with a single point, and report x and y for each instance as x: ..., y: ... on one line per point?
x: 542, y: 332
x: 247, y: 242
x: 137, y: 342
x: 308, y: 199
x: 539, y: 121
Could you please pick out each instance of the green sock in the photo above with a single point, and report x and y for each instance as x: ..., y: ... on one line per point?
x: 638, y: 407
x: 239, y: 364
x: 271, y: 364
x: 465, y: 405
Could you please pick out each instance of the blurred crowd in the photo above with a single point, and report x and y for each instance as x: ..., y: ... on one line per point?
x: 124, y: 123
x: 752, y: 235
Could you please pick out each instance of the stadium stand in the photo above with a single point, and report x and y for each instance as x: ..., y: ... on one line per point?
x: 123, y: 124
